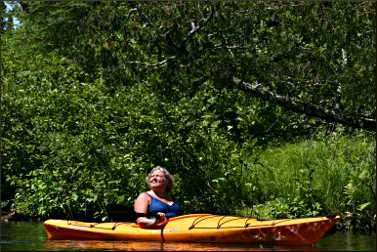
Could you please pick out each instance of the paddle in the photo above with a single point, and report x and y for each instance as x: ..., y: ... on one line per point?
x: 118, y: 212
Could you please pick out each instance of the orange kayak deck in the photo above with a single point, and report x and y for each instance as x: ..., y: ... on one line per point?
x: 200, y: 228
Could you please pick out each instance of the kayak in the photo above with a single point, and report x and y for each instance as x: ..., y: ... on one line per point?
x: 199, y: 228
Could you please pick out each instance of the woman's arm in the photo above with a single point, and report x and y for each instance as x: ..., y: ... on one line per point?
x: 145, y: 222
x: 141, y: 208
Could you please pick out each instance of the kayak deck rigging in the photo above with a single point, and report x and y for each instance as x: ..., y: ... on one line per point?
x: 194, y: 224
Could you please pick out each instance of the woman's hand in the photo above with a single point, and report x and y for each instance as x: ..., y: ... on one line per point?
x: 157, y: 222
x: 161, y: 220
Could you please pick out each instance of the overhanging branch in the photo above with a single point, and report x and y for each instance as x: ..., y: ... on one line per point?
x: 306, y: 108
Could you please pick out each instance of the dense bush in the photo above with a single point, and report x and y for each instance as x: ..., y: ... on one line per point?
x: 327, y: 175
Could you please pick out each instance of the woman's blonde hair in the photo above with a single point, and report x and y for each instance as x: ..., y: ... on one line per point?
x: 169, y: 180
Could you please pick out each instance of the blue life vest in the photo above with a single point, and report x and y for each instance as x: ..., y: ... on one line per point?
x: 157, y: 205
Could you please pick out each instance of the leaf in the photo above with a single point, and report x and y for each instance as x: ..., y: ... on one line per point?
x: 215, y: 124
x: 75, y: 197
x: 363, y: 206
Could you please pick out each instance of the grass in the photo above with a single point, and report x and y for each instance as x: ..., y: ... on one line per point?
x: 329, y: 175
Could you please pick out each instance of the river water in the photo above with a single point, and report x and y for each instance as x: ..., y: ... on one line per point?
x: 30, y: 236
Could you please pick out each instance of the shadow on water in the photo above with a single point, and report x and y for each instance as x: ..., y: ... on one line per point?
x: 346, y: 241
x: 30, y: 236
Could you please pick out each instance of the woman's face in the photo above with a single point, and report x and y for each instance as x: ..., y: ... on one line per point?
x: 157, y: 180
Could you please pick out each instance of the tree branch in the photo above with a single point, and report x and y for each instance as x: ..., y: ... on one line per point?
x: 306, y: 108
x: 155, y: 65
x: 195, y: 29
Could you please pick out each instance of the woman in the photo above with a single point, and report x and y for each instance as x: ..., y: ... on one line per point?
x: 154, y: 207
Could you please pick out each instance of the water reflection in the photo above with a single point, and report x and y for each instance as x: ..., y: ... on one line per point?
x: 157, y: 246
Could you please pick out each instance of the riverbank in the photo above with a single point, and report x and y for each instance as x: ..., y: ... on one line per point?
x: 14, y: 216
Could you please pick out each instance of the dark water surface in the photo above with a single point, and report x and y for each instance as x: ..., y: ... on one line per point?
x: 30, y: 236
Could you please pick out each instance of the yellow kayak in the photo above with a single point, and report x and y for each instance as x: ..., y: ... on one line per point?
x: 199, y: 228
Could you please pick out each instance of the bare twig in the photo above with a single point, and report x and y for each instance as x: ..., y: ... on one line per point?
x: 157, y: 64
x: 195, y: 29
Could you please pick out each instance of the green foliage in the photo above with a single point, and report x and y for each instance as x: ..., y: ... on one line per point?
x: 68, y: 155
x: 328, y: 175
x: 285, y: 208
